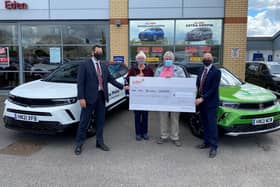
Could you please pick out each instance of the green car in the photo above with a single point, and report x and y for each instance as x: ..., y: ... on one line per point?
x: 244, y: 108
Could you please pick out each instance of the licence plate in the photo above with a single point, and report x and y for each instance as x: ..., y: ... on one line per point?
x: 262, y: 121
x: 26, y: 117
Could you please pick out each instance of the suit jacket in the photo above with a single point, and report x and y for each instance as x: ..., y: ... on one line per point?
x: 88, y: 81
x: 210, y: 92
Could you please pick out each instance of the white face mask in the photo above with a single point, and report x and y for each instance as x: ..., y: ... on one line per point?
x: 140, y: 62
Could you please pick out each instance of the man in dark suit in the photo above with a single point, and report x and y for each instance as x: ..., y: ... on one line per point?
x: 93, y: 77
x: 207, y: 83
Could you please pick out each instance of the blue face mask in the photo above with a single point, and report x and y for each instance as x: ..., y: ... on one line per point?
x: 168, y: 63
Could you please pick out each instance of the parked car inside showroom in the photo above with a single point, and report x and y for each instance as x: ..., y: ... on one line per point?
x: 264, y: 74
x: 151, y: 34
x: 244, y: 108
x: 199, y: 34
x: 50, y: 105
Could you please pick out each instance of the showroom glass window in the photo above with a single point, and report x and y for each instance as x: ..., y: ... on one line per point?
x: 188, y: 39
x: 195, y: 37
x: 78, y: 39
x: 47, y: 46
x: 9, y: 69
x: 37, y: 42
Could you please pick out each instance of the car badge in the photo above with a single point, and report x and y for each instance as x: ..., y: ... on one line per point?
x: 261, y: 106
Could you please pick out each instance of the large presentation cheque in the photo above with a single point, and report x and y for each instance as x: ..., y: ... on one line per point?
x: 162, y: 94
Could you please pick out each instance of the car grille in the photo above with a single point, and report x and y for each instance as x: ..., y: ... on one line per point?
x: 30, y: 102
x: 29, y: 112
x: 260, y: 115
x: 250, y: 127
x: 256, y: 106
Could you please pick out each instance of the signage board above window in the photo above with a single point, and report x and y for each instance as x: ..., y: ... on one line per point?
x: 13, y: 5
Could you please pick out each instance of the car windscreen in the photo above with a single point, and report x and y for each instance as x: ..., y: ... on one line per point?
x: 117, y: 70
x: 228, y: 79
x: 274, y: 69
x: 67, y: 73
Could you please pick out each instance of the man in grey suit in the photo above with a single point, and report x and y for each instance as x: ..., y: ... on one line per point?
x: 93, y: 77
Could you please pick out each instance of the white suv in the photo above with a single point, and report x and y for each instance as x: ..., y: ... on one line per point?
x: 50, y: 105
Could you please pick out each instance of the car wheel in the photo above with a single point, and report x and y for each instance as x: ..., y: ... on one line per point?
x: 195, y: 125
x: 91, y: 131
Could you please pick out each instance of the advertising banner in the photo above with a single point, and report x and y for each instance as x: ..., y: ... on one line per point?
x: 4, y: 57
x: 198, y: 32
x: 154, y: 32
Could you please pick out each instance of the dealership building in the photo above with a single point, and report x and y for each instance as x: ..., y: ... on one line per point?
x: 37, y: 36
x: 264, y: 48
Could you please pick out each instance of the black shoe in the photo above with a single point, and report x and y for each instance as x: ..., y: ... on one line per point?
x: 203, y: 146
x: 138, y: 138
x: 212, y: 153
x: 146, y: 137
x: 78, y: 150
x: 178, y: 143
x: 161, y: 140
x: 103, y: 147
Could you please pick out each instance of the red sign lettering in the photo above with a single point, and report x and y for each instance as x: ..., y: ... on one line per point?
x: 13, y: 5
x: 205, y: 48
x: 144, y: 49
x: 157, y: 49
x: 190, y: 49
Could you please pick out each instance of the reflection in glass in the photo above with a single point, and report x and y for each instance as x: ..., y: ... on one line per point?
x: 195, y: 53
x: 85, y: 34
x: 8, y: 34
x: 153, y: 53
x: 80, y: 52
x: 37, y: 62
x: 67, y: 73
x: 41, y: 34
x: 117, y: 70
x: 228, y: 79
x: 77, y: 52
x: 72, y: 41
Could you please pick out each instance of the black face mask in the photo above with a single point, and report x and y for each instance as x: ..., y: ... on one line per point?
x: 97, y: 56
x: 207, y: 62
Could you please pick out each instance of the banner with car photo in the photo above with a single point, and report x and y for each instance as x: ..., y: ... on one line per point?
x: 198, y: 32
x: 153, y: 32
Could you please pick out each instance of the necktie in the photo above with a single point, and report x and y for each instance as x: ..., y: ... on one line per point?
x: 202, y: 81
x: 99, y: 75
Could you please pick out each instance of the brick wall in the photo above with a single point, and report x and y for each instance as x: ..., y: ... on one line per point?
x: 235, y: 35
x: 119, y: 35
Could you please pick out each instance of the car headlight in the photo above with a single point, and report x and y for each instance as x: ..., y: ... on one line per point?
x: 65, y: 101
x: 229, y: 104
x: 11, y: 97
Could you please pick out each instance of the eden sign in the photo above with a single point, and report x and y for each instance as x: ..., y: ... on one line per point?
x: 13, y: 5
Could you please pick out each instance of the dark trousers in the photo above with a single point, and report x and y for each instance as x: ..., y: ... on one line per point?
x: 99, y: 109
x: 141, y: 122
x: 209, y: 123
